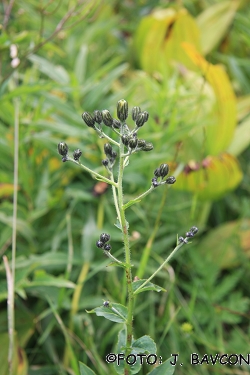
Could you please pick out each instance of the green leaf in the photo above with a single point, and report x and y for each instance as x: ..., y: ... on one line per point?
x: 164, y: 369
x: 115, y: 312
x: 120, y: 348
x: 144, y: 344
x: 148, y: 286
x: 41, y: 278
x: 85, y: 370
x: 55, y: 72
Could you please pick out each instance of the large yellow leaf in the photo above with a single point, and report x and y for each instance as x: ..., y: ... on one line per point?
x: 211, y: 178
x: 214, y: 23
x: 219, y: 132
x: 159, y: 36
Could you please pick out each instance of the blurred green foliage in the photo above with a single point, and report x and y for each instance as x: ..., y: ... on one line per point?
x: 80, y: 56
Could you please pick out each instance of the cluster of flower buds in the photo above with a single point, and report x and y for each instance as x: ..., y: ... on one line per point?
x: 111, y: 156
x: 102, y: 243
x: 63, y: 151
x: 98, y: 117
x: 134, y: 144
x: 191, y: 233
x: 159, y: 175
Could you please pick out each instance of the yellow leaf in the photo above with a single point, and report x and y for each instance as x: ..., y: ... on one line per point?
x: 159, y: 37
x: 219, y: 132
x: 214, y: 23
x: 211, y: 178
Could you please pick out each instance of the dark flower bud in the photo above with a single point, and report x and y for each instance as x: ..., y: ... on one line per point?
x: 141, y: 119
x: 189, y: 234
x: 183, y: 240
x: 107, y: 118
x: 133, y: 142
x: 105, y: 162
x: 170, y: 180
x: 164, y: 169
x: 122, y: 109
x: 154, y: 182
x: 146, y: 115
x: 106, y: 303
x: 114, y: 154
x: 125, y: 140
x: 194, y: 230
x: 88, y: 119
x: 108, y: 149
x: 148, y: 147
x: 99, y: 244
x: 107, y: 247
x: 62, y: 148
x: 98, y: 116
x: 135, y: 112
x: 104, y: 237
x: 157, y: 172
x: 116, y: 124
x: 141, y: 143
x: 77, y: 154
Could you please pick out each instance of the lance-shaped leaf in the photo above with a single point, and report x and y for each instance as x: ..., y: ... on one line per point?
x: 149, y: 286
x: 220, y: 129
x: 211, y: 178
x: 115, y: 312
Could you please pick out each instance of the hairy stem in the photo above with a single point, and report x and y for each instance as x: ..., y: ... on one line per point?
x: 124, y: 227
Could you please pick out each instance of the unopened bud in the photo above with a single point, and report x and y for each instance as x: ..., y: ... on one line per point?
x: 77, y: 154
x: 170, y: 180
x: 116, y: 124
x: 100, y: 244
x: 107, y: 118
x: 194, y: 230
x: 98, y: 116
x: 125, y: 140
x: 164, y: 169
x: 105, y: 162
x: 135, y: 112
x: 146, y: 115
x: 104, y: 237
x: 107, y: 247
x: 141, y: 143
x: 140, y: 121
x: 148, y: 147
x: 62, y: 148
x: 108, y: 149
x: 122, y: 109
x: 133, y: 142
x: 157, y: 172
x: 88, y: 119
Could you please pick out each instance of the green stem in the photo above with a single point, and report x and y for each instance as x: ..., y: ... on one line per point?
x: 138, y: 199
x: 161, y: 266
x: 99, y: 176
x: 115, y: 198
x: 130, y: 306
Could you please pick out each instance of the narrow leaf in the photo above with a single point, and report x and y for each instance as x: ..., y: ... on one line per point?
x: 85, y: 370
x: 115, y: 312
x: 148, y: 286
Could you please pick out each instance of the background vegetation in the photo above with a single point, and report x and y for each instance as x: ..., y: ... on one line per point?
x: 78, y: 56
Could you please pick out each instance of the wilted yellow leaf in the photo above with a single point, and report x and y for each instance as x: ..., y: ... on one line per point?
x: 214, y: 23
x: 219, y: 132
x: 211, y: 178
